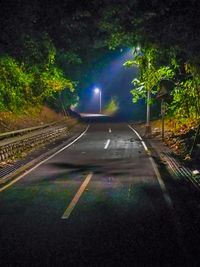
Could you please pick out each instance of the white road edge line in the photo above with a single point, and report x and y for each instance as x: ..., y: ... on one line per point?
x: 37, y: 165
x: 158, y: 176
x: 76, y: 198
x: 110, y: 131
x: 143, y: 143
x: 107, y: 144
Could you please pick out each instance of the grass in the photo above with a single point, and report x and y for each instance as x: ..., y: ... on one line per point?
x: 179, y: 133
x: 32, y: 116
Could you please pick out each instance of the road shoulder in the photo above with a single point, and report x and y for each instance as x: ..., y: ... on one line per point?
x: 165, y: 156
x: 20, y: 167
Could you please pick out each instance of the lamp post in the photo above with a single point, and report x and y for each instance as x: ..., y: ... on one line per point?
x: 148, y: 124
x: 137, y: 51
x: 98, y: 91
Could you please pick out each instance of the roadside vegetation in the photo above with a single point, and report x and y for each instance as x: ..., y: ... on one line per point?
x: 45, y: 48
x: 32, y: 78
x: 164, y: 39
x: 164, y: 43
x: 182, y: 102
x: 32, y: 116
x: 32, y: 81
x: 112, y: 107
x: 179, y: 137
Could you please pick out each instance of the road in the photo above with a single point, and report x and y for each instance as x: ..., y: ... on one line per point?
x: 99, y: 202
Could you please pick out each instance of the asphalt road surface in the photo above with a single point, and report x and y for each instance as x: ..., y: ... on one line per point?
x: 99, y: 202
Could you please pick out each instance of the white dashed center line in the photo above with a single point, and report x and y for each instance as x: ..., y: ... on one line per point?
x: 107, y: 144
x: 110, y: 131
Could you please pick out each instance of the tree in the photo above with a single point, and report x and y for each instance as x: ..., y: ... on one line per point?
x: 151, y: 72
x: 15, y: 85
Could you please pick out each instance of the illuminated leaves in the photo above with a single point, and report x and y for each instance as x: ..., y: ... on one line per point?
x: 112, y: 107
x: 19, y: 88
x: 150, y: 73
x: 15, y: 84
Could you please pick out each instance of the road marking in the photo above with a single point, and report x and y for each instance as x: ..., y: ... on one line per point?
x: 143, y: 143
x: 37, y: 165
x: 110, y: 131
x: 155, y: 168
x: 166, y: 195
x: 107, y: 144
x: 76, y: 198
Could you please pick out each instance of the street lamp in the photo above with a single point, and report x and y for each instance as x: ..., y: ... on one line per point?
x: 148, y: 124
x: 98, y: 92
x: 137, y: 51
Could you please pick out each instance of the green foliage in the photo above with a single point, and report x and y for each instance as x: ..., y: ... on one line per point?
x: 69, y: 57
x: 186, y: 99
x: 38, y: 51
x: 32, y: 79
x: 60, y: 101
x: 168, y: 32
x: 112, y: 107
x: 15, y: 84
x: 49, y: 81
x: 150, y: 73
x: 152, y: 70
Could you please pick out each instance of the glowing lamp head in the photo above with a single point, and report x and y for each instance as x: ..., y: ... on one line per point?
x: 96, y: 90
x: 138, y: 48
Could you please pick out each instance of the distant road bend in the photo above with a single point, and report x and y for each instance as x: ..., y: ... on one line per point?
x: 99, y: 202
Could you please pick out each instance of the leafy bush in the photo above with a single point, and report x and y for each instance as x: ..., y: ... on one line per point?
x: 112, y: 107
x: 32, y: 78
x: 15, y: 84
x: 186, y: 77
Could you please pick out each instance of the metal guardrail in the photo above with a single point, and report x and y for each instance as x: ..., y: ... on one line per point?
x: 26, y: 130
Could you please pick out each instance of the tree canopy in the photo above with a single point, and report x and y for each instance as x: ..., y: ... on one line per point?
x: 47, y: 44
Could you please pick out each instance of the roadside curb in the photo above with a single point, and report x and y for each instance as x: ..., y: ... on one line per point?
x: 7, y: 179
x: 179, y: 171
x: 175, y: 167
